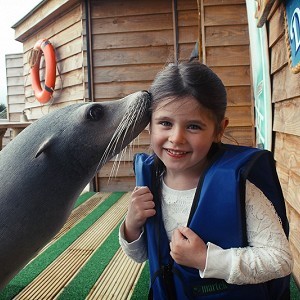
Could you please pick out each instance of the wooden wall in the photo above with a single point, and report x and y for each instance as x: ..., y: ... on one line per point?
x: 132, y: 41
x: 60, y: 22
x: 15, y: 91
x: 225, y: 43
x: 286, y: 127
x: 15, y: 86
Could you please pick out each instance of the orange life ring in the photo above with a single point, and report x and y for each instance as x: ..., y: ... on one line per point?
x: 43, y: 95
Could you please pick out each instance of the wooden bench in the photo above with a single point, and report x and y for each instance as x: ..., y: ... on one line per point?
x: 16, y: 127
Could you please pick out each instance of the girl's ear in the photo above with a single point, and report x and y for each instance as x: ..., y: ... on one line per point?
x: 224, y: 123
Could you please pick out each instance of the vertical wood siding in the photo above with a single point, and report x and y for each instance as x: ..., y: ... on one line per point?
x: 286, y: 127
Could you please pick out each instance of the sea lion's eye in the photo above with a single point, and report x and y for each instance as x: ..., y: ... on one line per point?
x: 94, y: 113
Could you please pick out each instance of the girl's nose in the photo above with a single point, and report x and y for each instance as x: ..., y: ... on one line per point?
x: 177, y: 136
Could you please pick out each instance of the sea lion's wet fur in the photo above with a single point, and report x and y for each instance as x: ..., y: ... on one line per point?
x: 44, y: 169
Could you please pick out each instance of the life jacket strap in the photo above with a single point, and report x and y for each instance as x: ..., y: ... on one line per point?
x: 166, y: 273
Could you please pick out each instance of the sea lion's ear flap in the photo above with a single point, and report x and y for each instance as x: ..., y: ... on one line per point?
x: 44, y: 146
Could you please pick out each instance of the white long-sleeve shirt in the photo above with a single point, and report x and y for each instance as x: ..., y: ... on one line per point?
x: 268, y: 255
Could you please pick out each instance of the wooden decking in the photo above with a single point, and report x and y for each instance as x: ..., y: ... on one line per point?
x: 85, y: 266
x: 84, y: 260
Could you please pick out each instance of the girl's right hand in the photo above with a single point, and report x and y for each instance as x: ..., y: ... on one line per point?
x: 141, y: 207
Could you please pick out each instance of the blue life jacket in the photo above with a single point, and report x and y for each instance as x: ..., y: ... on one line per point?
x: 218, y: 216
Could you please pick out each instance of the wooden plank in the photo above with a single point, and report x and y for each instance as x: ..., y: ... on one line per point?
x: 15, y: 117
x: 116, y: 90
x: 279, y: 57
x: 276, y: 25
x: 47, y: 13
x: 68, y: 93
x: 15, y: 90
x: 117, y: 184
x: 14, y: 72
x: 239, y: 136
x: 16, y: 99
x: 238, y: 95
x: 283, y: 175
x: 240, y: 116
x: 286, y: 116
x: 78, y: 215
x: 223, y: 2
x: 188, y: 18
x: 185, y: 51
x: 118, y: 279
x: 13, y: 81
x: 129, y: 73
x: 143, y: 39
x: 296, y: 269
x: 61, y: 271
x: 225, y: 15
x: 36, y: 110
x: 58, y: 27
x: 66, y: 44
x: 227, y: 56
x: 74, y: 77
x: 287, y: 151
x: 293, y: 195
x: 72, y: 66
x: 73, y: 47
x: 114, y: 8
x: 187, y: 5
x: 13, y: 60
x: 226, y: 35
x: 130, y: 56
x: 132, y: 40
x: 142, y: 139
x: 285, y: 85
x: 234, y: 75
x: 15, y: 108
x: 294, y: 220
x: 121, y: 161
x: 149, y: 22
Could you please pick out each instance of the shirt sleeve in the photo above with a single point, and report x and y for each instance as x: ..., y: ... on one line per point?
x: 268, y: 255
x: 136, y: 250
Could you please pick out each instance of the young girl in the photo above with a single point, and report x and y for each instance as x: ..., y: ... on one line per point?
x: 209, y: 217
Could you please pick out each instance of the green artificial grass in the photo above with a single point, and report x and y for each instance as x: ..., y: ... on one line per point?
x: 142, y: 287
x: 82, y: 198
x: 36, y: 266
x: 295, y: 292
x: 82, y: 283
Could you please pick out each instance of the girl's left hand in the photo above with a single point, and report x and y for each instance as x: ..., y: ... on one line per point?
x: 188, y: 249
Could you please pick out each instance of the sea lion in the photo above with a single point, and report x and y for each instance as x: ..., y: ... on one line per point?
x: 45, y: 168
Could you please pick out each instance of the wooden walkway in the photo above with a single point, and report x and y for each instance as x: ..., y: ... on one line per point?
x: 84, y: 260
x: 89, y: 263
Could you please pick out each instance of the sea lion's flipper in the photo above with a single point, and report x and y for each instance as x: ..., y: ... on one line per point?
x: 44, y: 146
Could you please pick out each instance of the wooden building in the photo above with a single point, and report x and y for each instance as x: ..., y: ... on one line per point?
x: 108, y: 49
x: 286, y: 124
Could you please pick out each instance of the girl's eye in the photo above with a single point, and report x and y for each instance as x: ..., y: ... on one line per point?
x: 194, y: 127
x: 165, y: 123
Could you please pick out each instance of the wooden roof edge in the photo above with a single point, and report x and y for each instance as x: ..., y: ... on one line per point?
x: 40, y: 16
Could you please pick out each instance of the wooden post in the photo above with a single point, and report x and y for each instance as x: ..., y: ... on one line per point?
x: 2, y: 133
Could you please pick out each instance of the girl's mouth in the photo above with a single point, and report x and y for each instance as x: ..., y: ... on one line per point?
x: 176, y: 153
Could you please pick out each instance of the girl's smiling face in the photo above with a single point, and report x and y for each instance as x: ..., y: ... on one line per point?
x: 182, y: 133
